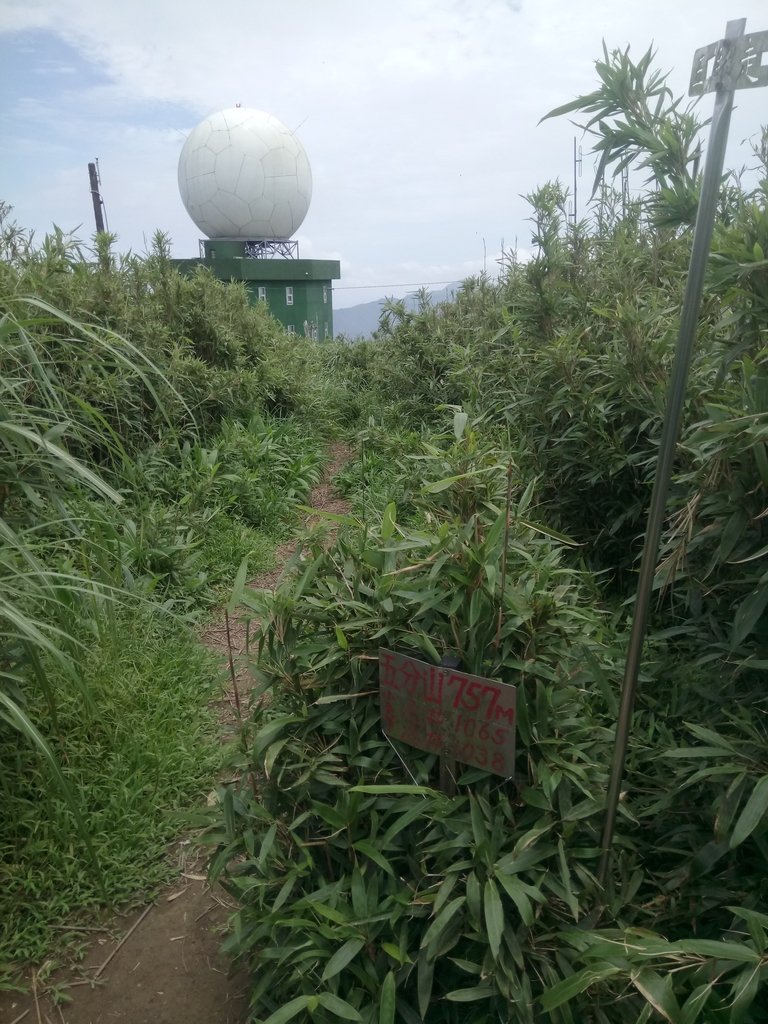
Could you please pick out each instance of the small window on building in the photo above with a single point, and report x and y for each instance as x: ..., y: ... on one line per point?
x: 289, y: 296
x: 262, y: 293
x: 325, y: 293
x: 291, y: 329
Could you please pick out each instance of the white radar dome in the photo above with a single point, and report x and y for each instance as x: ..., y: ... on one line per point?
x: 244, y: 174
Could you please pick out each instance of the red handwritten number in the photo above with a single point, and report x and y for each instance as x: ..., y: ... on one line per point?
x: 473, y: 696
x: 495, y: 695
x: 423, y: 704
x: 462, y: 681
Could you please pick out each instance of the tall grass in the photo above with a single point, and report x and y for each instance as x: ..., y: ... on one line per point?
x: 155, y: 432
x: 138, y: 756
x: 37, y: 474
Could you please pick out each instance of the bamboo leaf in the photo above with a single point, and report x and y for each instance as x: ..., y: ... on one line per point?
x: 494, y: 916
x: 719, y: 950
x: 743, y: 993
x: 396, y: 789
x: 364, y: 847
x: 436, y: 486
x: 332, y: 913
x: 695, y: 1003
x: 516, y: 891
x: 238, y: 586
x: 425, y: 972
x: 659, y: 993
x: 288, y: 1010
x: 266, y: 844
x: 387, y: 1000
x: 339, y: 1007
x: 547, y: 531
x: 459, y: 424
x: 471, y: 995
x: 565, y: 990
x: 438, y: 926
x: 748, y: 614
x: 752, y: 814
x: 388, y: 521
x: 285, y: 891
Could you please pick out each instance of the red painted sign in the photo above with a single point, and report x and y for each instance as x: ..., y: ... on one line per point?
x: 448, y: 712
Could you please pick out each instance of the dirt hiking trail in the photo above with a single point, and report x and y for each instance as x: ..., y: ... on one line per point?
x: 161, y: 964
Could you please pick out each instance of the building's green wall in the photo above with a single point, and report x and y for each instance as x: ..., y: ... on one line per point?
x: 311, y: 281
x: 308, y: 305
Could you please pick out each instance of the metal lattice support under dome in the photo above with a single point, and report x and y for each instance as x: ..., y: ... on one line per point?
x: 260, y: 248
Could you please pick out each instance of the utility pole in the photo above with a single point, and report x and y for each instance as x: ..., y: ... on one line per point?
x: 98, y: 202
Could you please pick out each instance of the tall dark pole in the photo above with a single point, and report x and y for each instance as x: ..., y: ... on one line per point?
x: 96, y: 197
x: 730, y: 72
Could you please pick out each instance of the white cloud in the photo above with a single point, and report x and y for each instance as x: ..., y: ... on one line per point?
x: 419, y: 116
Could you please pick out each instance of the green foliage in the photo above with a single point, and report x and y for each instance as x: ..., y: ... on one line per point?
x: 353, y: 886
x: 635, y: 119
x: 262, y: 469
x: 364, y: 892
x: 141, y: 750
x: 220, y: 357
x: 147, y: 447
x: 157, y: 430
x: 375, y: 478
x: 38, y: 470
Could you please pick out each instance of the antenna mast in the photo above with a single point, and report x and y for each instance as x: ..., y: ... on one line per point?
x: 624, y: 190
x: 577, y: 161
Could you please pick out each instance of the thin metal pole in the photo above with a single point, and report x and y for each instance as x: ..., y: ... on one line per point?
x: 702, y: 237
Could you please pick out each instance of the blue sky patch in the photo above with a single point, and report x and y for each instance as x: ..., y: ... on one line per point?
x: 44, y: 79
x: 37, y: 65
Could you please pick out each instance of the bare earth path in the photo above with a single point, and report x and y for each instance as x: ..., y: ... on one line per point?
x: 161, y: 964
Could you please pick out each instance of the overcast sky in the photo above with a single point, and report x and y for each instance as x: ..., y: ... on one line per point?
x: 419, y: 117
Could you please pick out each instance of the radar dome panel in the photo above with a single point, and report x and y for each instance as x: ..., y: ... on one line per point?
x: 244, y: 174
x: 201, y: 189
x: 218, y: 140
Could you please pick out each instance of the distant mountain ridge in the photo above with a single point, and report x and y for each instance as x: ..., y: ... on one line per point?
x: 361, y: 321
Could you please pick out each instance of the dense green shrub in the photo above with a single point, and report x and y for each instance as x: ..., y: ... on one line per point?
x: 340, y: 885
x: 365, y: 894
x: 156, y: 432
x: 219, y: 356
x: 570, y: 354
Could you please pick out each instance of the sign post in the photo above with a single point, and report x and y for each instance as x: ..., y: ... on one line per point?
x: 735, y: 62
x: 443, y: 710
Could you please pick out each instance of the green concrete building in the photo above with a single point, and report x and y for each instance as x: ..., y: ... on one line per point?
x: 298, y: 293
